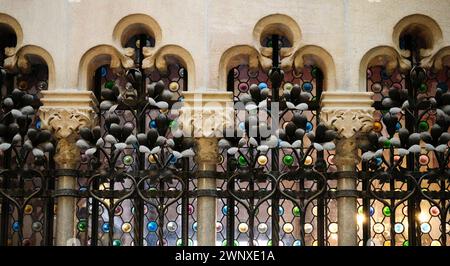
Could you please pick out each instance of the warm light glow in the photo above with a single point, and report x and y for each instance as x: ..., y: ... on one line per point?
x: 423, y: 217
x: 360, y: 218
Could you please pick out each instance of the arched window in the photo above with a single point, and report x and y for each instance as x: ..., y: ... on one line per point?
x: 407, y: 150
x: 282, y: 169
x: 26, y: 151
x: 137, y: 154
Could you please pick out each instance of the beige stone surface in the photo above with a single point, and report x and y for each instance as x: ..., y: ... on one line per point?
x: 206, y: 29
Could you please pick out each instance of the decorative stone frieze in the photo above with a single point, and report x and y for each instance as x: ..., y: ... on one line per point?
x: 349, y: 113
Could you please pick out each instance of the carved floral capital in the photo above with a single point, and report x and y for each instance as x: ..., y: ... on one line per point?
x: 349, y: 113
x: 64, y: 113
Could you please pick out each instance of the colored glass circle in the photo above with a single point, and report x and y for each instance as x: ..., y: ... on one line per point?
x: 309, y: 126
x: 296, y: 211
x: 308, y: 228
x: 262, y: 228
x: 181, y: 72
x: 297, y: 243
x: 243, y: 227
x: 387, y: 243
x: 376, y: 87
x: 423, y: 88
x: 243, y: 87
x: 386, y: 211
x: 377, y: 126
x: 307, y: 86
x: 287, y: 86
x: 360, y: 210
x: 242, y: 161
x: 152, y: 226
x: 288, y: 228
x: 308, y: 160
x: 109, y: 84
x: 314, y: 210
x: 117, y: 243
x: 387, y: 144
x: 423, y: 126
x: 36, y: 226
x: 262, y: 160
x: 371, y: 211
x: 378, y: 228
x: 425, y: 228
x: 190, y: 209
x: 242, y: 126
x: 28, y: 209
x: 435, y: 243
x: 220, y: 159
x: 104, y: 72
x: 194, y: 226
x: 423, y: 159
x: 398, y: 228
x: 333, y: 228
x: 174, y: 86
x: 378, y: 160
x: 262, y: 85
x: 82, y: 225
x: 434, y: 211
x: 119, y: 210
x: 314, y: 72
x: 172, y: 226
x: 405, y: 243
x: 288, y: 160
x: 219, y: 227
x: 269, y: 243
x: 16, y: 226
x: 105, y: 227
x: 152, y: 158
x: 128, y: 160
x: 330, y: 159
x: 126, y: 227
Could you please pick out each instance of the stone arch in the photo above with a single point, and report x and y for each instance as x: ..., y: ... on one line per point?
x: 96, y: 57
x: 33, y: 54
x: 136, y: 24
x: 13, y: 24
x: 166, y: 54
x: 421, y: 25
x: 316, y: 55
x: 280, y: 24
x: 381, y: 56
x: 234, y: 56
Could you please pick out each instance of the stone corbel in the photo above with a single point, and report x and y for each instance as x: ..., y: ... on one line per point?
x: 392, y: 59
x: 64, y: 113
x: 438, y: 60
x: 123, y: 60
x: 15, y: 61
x: 206, y: 114
x: 349, y: 113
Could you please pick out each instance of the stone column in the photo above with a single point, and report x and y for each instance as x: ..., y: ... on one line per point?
x: 203, y: 116
x: 350, y: 114
x: 64, y: 113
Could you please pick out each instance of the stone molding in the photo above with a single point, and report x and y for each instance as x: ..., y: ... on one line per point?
x: 64, y: 112
x: 349, y: 113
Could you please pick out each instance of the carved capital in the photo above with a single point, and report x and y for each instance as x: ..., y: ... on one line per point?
x: 206, y: 114
x: 349, y: 113
x: 64, y: 113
